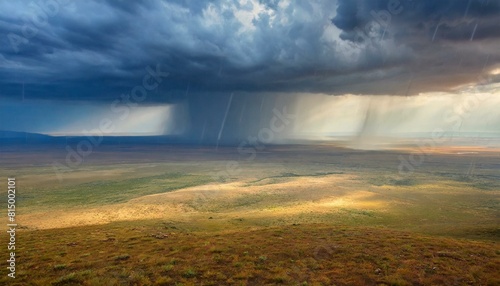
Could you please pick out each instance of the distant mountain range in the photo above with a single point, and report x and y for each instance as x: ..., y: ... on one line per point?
x: 20, y: 136
x: 14, y: 137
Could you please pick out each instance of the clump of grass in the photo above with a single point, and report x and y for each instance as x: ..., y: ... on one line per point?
x: 280, y: 279
x: 189, y: 273
x: 164, y: 281
x: 168, y: 267
x: 217, y: 258
x: 86, y: 273
x: 138, y: 279
x: 71, y: 278
x: 396, y: 281
x: 216, y: 250
x: 122, y: 257
x: 58, y: 267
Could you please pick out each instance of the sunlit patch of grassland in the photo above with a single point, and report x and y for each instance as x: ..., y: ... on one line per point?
x: 445, y: 207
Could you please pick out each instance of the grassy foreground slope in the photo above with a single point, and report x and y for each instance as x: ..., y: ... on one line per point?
x: 156, y: 253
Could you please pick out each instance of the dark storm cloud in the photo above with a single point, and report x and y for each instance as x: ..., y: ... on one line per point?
x: 414, y: 13
x: 97, y: 50
x: 449, y: 43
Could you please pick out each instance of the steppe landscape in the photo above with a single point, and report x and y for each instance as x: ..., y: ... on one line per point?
x: 294, y: 215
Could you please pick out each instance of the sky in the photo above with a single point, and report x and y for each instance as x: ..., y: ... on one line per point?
x: 219, y: 70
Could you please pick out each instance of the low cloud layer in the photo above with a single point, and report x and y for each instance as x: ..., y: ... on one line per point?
x: 93, y: 50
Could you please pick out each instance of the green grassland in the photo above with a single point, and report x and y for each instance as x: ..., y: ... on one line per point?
x: 106, y: 192
x: 336, y: 217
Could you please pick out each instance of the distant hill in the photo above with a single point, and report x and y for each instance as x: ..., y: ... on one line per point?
x: 27, y: 138
x: 14, y: 136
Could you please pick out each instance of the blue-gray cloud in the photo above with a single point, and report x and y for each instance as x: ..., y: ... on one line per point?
x: 94, y: 50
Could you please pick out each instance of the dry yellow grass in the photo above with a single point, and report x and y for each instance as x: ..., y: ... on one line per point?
x: 158, y: 253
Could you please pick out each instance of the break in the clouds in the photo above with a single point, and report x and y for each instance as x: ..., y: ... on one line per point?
x: 94, y: 50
